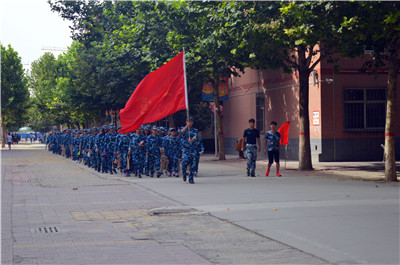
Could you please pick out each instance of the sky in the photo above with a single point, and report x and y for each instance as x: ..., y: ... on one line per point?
x: 29, y: 26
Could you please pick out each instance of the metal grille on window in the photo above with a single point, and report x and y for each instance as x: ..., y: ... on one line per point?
x: 364, y: 109
x: 260, y: 113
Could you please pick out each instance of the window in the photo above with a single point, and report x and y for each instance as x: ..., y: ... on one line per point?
x: 260, y: 112
x: 364, y: 109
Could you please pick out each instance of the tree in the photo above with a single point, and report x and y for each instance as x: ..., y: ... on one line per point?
x: 118, y: 45
x: 208, y: 31
x: 294, y: 36
x: 14, y: 90
x: 376, y: 25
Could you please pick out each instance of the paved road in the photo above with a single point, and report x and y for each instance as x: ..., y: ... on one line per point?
x: 341, y: 221
x: 55, y: 211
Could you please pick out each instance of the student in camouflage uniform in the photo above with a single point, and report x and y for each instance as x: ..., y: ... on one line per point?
x: 138, y: 151
x: 172, y: 146
x: 101, y: 149
x: 75, y: 145
x: 189, y: 150
x: 82, y: 147
x: 164, y: 158
x: 153, y: 152
x: 67, y: 143
x: 111, y: 149
x: 94, y: 154
x: 251, y: 137
x: 123, y: 149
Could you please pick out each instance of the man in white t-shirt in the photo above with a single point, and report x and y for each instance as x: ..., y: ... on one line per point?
x: 9, y: 140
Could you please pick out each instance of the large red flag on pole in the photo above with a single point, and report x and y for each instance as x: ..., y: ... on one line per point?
x: 284, y: 131
x: 161, y: 93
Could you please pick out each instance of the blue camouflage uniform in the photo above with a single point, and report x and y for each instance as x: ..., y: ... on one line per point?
x: 75, y: 147
x: 154, y: 154
x: 101, y: 146
x: 123, y: 149
x: 188, y: 154
x: 67, y: 143
x: 138, y: 153
x: 111, y: 149
x: 172, y: 146
x: 94, y: 155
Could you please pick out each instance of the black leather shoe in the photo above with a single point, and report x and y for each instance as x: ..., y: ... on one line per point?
x: 191, y: 181
x: 184, y: 178
x: 140, y: 176
x: 111, y: 172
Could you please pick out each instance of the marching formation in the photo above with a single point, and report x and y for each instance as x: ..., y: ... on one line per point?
x: 148, y: 151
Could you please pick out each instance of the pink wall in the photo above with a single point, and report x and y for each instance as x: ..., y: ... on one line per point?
x: 241, y: 105
x: 332, y: 97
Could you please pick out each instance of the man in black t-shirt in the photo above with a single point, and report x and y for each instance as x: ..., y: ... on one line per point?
x: 251, y: 136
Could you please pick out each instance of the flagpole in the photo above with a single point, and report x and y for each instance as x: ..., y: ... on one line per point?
x: 186, y: 90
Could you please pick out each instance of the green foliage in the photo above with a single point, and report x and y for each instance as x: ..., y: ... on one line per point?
x: 14, y: 88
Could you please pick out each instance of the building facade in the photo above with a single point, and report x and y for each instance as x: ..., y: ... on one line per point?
x: 347, y: 110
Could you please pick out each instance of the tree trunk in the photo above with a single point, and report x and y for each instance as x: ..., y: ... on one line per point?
x: 220, y: 128
x: 390, y: 155
x: 171, y: 121
x: 3, y: 134
x: 305, y: 162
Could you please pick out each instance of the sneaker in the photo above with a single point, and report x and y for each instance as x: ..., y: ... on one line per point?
x: 267, y: 173
x: 140, y: 176
x: 253, y: 174
x: 248, y: 173
x: 159, y: 174
x: 184, y: 178
x: 278, y: 174
x: 191, y: 181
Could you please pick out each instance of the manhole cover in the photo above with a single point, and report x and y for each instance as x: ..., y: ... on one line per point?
x: 167, y: 211
x: 46, y: 230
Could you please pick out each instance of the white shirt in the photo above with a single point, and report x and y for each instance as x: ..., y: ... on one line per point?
x: 9, y: 138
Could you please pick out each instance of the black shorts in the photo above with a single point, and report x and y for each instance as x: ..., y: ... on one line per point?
x: 272, y: 155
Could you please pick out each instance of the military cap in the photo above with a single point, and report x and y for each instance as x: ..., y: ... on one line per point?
x: 172, y: 130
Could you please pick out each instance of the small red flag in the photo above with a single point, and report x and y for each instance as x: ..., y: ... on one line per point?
x: 159, y: 94
x: 284, y: 131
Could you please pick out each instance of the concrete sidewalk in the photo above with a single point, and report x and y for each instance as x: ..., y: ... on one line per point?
x: 367, y: 171
x: 55, y: 211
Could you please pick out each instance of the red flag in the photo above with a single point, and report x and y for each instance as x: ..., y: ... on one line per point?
x: 159, y: 94
x: 284, y: 131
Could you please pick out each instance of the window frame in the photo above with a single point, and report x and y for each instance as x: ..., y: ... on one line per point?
x: 364, y: 101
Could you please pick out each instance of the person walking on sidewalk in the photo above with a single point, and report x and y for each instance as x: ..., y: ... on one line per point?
x: 251, y: 136
x: 9, y: 141
x: 272, y: 138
